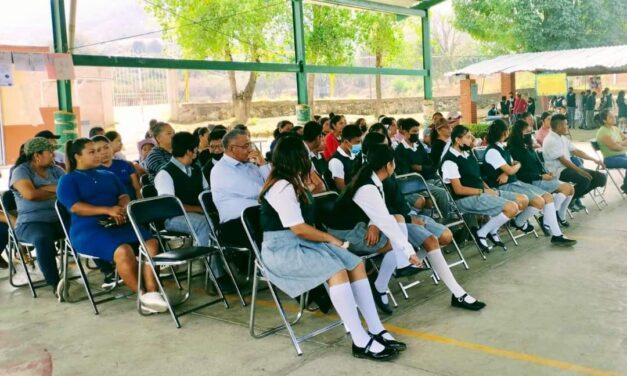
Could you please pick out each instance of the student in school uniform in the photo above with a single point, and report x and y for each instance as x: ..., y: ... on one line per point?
x: 411, y: 156
x: 360, y: 216
x: 501, y: 172
x: 462, y: 175
x: 532, y: 171
x: 423, y: 232
x: 298, y: 257
x: 341, y: 163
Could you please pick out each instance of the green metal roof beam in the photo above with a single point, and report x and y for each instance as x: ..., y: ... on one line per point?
x: 374, y: 6
x: 426, y: 4
x: 141, y: 62
x: 364, y: 70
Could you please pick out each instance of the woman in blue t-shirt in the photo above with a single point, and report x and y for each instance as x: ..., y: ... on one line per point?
x: 120, y: 168
x: 92, y: 195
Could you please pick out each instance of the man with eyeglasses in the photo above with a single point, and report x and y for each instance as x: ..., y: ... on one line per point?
x: 236, y: 181
x: 182, y: 178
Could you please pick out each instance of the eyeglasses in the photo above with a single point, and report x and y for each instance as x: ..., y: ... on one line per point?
x: 216, y: 147
x: 246, y: 146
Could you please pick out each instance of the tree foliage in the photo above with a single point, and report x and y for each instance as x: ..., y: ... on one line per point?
x: 542, y: 25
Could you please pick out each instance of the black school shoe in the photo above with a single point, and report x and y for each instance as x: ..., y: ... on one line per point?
x: 461, y: 303
x: 562, y: 222
x: 376, y: 295
x: 497, y: 243
x: 384, y: 355
x: 545, y: 229
x: 562, y: 241
x: 392, y: 343
x: 526, y: 227
x: 481, y: 242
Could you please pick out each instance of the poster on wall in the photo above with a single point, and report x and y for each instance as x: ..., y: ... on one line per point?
x: 551, y: 84
x: 30, y: 62
x: 60, y: 67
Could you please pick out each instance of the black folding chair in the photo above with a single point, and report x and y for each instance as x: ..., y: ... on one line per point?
x: 148, y: 190
x: 65, y: 219
x: 7, y: 202
x: 145, y: 180
x: 325, y: 204
x: 211, y: 214
x: 252, y: 226
x: 145, y: 212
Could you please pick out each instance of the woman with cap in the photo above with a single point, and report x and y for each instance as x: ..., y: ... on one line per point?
x: 34, y: 183
x: 59, y: 156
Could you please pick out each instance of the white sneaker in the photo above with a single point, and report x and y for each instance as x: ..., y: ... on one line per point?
x: 152, y: 301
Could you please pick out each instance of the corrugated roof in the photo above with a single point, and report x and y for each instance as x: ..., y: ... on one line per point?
x: 577, y: 62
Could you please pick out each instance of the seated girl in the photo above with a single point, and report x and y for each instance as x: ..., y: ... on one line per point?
x: 122, y: 169
x: 298, y: 257
x: 93, y: 195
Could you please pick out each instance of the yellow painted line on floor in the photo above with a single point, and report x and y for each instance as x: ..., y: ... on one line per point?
x: 514, y: 355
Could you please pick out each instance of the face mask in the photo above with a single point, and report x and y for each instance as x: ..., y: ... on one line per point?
x: 356, y: 149
x: 413, y: 138
x: 527, y: 138
x: 465, y: 147
x: 217, y: 157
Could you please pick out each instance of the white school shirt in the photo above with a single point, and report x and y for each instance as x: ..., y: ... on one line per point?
x: 371, y: 200
x: 335, y: 165
x: 164, y: 183
x: 450, y: 170
x: 282, y: 197
x: 494, y: 158
x: 554, y: 147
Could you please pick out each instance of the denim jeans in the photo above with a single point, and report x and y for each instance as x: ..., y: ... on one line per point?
x: 617, y: 161
x: 201, y: 228
x: 571, y: 116
x: 42, y: 236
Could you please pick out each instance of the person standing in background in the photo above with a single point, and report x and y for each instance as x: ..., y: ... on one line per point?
x: 571, y: 106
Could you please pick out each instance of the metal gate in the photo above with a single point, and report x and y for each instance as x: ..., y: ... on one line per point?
x: 139, y: 86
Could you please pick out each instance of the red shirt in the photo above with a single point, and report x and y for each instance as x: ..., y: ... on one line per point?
x: 330, y: 146
x: 520, y: 106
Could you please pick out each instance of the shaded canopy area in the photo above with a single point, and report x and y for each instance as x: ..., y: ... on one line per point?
x: 576, y: 62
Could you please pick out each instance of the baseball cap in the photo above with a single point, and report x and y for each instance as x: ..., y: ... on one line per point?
x: 47, y: 135
x: 37, y: 145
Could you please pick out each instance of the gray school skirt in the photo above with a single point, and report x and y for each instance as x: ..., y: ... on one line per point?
x: 356, y: 238
x: 547, y: 185
x: 296, y: 265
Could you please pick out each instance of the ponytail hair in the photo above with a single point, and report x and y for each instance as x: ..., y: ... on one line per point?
x: 378, y: 157
x: 334, y: 119
x: 72, y: 148
x: 22, y: 158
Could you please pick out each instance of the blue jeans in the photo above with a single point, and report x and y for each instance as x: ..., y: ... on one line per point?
x: 42, y: 236
x: 571, y: 116
x: 201, y: 228
x: 576, y: 161
x: 617, y: 161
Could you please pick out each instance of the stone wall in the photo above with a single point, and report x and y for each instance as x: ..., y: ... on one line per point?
x: 199, y: 112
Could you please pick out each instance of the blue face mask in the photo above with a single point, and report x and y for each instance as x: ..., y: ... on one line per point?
x: 356, y: 149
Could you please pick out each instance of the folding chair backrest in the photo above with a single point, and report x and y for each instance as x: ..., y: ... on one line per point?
x: 65, y: 219
x: 8, y: 205
x: 156, y: 209
x: 251, y: 221
x: 149, y: 191
x: 595, y: 145
x: 325, y: 204
x: 411, y: 183
x: 211, y: 212
x: 145, y: 180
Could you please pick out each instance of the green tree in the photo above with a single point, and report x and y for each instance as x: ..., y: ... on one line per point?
x: 329, y: 35
x: 227, y: 30
x: 542, y: 25
x: 380, y: 35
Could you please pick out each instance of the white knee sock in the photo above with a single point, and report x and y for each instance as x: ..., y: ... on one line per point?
x: 365, y: 303
x: 522, y: 218
x: 345, y: 306
x: 550, y: 219
x: 493, y: 224
x: 387, y: 268
x: 559, y: 199
x: 562, y: 209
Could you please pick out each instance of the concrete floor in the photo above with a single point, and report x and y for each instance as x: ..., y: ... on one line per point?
x: 550, y: 311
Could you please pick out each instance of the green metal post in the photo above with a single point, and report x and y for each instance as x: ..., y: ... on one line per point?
x: 59, y: 34
x: 426, y: 56
x: 299, y: 48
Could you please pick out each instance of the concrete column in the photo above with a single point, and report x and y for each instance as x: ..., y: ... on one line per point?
x: 508, y: 84
x: 468, y: 107
x: 173, y: 93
